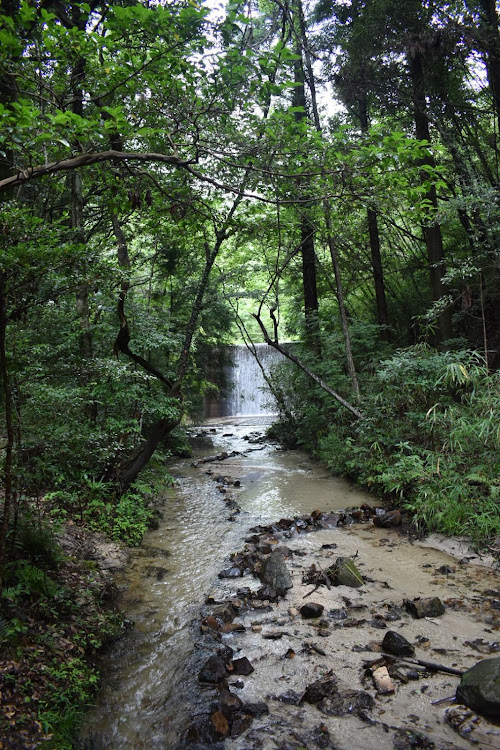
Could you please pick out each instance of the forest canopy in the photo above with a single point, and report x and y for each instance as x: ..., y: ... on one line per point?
x: 176, y: 176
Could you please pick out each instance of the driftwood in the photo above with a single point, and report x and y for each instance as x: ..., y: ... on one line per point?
x: 220, y: 457
x: 431, y: 665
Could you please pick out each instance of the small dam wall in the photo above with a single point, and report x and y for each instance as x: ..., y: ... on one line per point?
x: 243, y: 390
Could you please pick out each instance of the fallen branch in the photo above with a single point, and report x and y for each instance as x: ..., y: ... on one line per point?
x: 286, y: 353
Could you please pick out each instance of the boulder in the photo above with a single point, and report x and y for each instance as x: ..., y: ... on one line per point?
x: 274, y: 573
x: 213, y: 671
x: 395, y: 643
x: 311, y: 609
x: 430, y: 607
x: 347, y: 574
x: 479, y: 687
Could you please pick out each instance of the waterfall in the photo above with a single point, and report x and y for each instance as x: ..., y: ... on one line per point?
x: 245, y: 391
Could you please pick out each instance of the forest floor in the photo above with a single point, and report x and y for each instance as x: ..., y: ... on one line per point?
x: 50, y: 636
x: 290, y: 682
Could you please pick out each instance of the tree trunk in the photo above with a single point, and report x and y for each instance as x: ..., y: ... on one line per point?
x: 7, y: 95
x: 431, y: 229
x: 309, y: 281
x: 340, y: 297
x: 303, y: 48
x: 490, y: 39
x: 374, y: 237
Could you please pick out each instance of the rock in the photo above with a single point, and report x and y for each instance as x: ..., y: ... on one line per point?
x: 229, y: 703
x: 213, y: 671
x: 240, y: 724
x: 324, y: 688
x: 430, y: 607
x: 233, y: 627
x: 338, y: 614
x: 241, y: 666
x: 289, y: 696
x: 377, y: 623
x: 407, y: 739
x: 274, y: 573
x: 382, y: 681
x: 479, y: 687
x: 201, y: 731
x: 256, y: 709
x: 347, y: 574
x: 347, y: 702
x: 386, y: 520
x: 220, y: 723
x: 310, y: 610
x: 230, y: 573
x: 226, y: 612
x: 395, y: 643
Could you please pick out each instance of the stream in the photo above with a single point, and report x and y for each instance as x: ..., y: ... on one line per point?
x: 145, y: 696
x: 149, y: 675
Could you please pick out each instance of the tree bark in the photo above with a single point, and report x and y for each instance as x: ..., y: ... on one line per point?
x: 431, y: 229
x: 309, y: 279
x: 374, y: 237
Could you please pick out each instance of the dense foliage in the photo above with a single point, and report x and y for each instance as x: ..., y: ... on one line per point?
x: 174, y: 177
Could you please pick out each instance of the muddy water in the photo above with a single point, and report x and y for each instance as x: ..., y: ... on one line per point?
x: 145, y: 701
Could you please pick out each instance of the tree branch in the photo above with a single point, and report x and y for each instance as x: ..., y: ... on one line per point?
x: 286, y: 353
x: 86, y: 160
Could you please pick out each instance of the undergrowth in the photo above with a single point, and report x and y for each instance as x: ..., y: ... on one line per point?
x: 429, y: 439
x: 55, y: 615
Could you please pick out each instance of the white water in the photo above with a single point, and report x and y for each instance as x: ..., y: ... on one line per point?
x: 246, y: 392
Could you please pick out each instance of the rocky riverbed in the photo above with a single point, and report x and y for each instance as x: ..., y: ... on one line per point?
x: 360, y: 641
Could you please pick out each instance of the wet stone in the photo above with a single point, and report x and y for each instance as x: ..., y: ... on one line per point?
x: 274, y: 573
x: 337, y: 614
x: 347, y: 574
x: 241, y: 666
x: 289, y: 696
x: 408, y: 739
x: 240, y: 724
x: 310, y: 610
x: 229, y: 703
x: 479, y: 687
x: 347, y: 702
x: 213, y: 671
x: 256, y: 709
x: 230, y: 573
x: 429, y: 607
x: 225, y: 612
x: 376, y: 622
x: 220, y: 723
x: 395, y: 643
x: 387, y: 520
x: 324, y: 688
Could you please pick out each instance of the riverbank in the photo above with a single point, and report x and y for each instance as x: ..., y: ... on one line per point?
x: 52, y: 625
